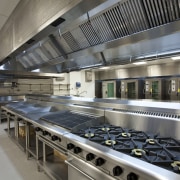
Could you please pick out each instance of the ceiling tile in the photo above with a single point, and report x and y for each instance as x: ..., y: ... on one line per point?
x: 2, y: 21
x: 7, y: 6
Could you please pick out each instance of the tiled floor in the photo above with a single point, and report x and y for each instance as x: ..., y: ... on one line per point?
x: 13, y: 162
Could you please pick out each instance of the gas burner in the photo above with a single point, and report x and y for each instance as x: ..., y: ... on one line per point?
x: 176, y: 166
x: 152, y: 148
x: 151, y: 141
x: 125, y: 134
x: 88, y: 135
x: 105, y: 129
x: 138, y: 152
x: 110, y: 142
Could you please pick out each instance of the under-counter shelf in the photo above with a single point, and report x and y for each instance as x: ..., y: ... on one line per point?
x: 54, y: 167
x: 53, y: 160
x: 20, y: 141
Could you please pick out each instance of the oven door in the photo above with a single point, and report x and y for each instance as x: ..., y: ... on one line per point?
x: 79, y: 169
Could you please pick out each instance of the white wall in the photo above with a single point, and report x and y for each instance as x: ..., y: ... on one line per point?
x: 87, y: 89
x: 61, y: 87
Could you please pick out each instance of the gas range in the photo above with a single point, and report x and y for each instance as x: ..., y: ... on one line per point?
x: 115, y: 149
x: 161, y: 151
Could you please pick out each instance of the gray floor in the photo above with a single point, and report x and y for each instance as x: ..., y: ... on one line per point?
x: 13, y: 162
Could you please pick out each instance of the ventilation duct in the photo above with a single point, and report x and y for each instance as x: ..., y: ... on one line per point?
x: 106, y: 27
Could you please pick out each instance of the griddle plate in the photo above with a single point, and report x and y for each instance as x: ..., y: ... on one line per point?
x: 67, y: 119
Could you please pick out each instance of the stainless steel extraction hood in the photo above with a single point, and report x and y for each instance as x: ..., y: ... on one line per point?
x: 115, y: 32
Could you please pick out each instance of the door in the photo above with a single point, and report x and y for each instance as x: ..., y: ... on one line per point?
x: 131, y: 90
x: 155, y: 89
x: 110, y: 88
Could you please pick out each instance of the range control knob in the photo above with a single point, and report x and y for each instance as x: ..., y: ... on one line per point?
x: 117, y: 171
x: 70, y: 146
x: 90, y: 157
x: 37, y: 129
x: 77, y: 150
x: 132, y: 176
x: 45, y: 133
x: 54, y: 138
x: 99, y: 161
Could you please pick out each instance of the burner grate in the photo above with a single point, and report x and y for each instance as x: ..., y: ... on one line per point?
x: 160, y: 151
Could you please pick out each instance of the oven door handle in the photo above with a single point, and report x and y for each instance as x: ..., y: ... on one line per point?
x: 76, y: 168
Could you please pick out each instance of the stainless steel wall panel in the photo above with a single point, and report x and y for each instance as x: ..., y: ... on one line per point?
x: 165, y: 69
x: 145, y: 123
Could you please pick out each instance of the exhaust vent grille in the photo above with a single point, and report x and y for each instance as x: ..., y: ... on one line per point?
x: 126, y: 18
x: 71, y: 41
x: 161, y: 12
x: 90, y: 33
x: 102, y: 29
x: 80, y: 38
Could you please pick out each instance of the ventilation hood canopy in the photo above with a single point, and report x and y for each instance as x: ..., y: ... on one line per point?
x: 115, y: 32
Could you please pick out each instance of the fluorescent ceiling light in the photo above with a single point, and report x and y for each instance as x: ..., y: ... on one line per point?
x: 140, y: 63
x: 176, y: 58
x: 36, y: 70
x: 104, y: 68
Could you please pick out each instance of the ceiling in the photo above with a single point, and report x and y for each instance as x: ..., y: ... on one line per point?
x: 6, y: 8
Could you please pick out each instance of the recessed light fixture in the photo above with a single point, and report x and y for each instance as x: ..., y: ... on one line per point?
x: 103, y: 68
x: 140, y: 63
x: 176, y: 58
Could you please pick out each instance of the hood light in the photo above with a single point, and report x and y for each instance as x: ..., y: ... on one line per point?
x: 140, y: 63
x: 2, y: 67
x: 103, y: 68
x: 36, y: 70
x: 176, y: 58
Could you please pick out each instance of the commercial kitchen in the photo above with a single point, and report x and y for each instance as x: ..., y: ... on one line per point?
x: 90, y: 90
